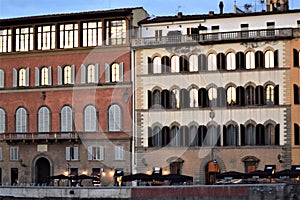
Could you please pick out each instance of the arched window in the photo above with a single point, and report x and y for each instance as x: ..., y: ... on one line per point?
x: 296, y: 134
x: 175, y: 137
x: 175, y: 101
x: 250, y: 60
x: 44, y: 119
x: 184, y: 63
x: 250, y: 98
x: 260, y: 135
x: 202, y: 97
x: 66, y: 119
x: 157, y: 65
x: 240, y: 60
x: 2, y: 78
x: 91, y: 71
x: 194, y: 136
x: 259, y: 59
x: 175, y: 64
x: 269, y: 59
x: 212, y: 62
x: 156, y: 137
x: 212, y: 137
x: 269, y: 93
x: 22, y: 77
x: 67, y: 75
x: 231, y: 96
x: 114, y: 118
x: 45, y: 76
x: 270, y: 134
x: 21, y: 120
x: 2, y: 121
x: 212, y: 96
x: 221, y: 61
x: 115, y: 72
x: 230, y: 61
x: 194, y: 98
x: 230, y: 137
x: 184, y: 136
x: 202, y: 62
x: 250, y: 135
x: 90, y: 118
x: 156, y: 98
x: 166, y: 138
x: 193, y: 63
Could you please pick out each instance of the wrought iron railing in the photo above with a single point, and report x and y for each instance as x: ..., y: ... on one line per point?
x: 218, y: 36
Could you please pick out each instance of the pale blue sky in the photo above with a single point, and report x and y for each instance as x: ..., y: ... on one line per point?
x: 20, y: 8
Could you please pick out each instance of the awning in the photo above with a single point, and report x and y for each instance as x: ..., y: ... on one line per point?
x: 231, y: 175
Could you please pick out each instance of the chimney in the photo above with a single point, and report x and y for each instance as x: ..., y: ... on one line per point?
x: 179, y: 14
x: 221, y: 6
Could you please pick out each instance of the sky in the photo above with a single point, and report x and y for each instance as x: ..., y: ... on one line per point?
x: 21, y: 8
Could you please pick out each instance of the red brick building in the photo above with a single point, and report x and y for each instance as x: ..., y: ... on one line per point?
x: 65, y: 97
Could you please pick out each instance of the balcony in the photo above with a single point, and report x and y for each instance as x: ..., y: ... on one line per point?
x: 219, y: 37
x: 35, y: 137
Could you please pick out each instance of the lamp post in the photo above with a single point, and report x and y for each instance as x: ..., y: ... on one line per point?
x: 215, y: 174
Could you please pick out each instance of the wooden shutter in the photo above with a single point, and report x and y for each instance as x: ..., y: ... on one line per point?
x: 277, y: 134
x: 2, y: 78
x: 90, y: 153
x: 49, y: 75
x: 2, y: 121
x: 101, y: 153
x: 68, y: 149
x: 276, y: 65
x: 107, y: 73
x: 59, y: 75
x: 296, y: 58
x: 37, y: 76
x: 121, y: 72
x: 75, y: 149
x: 27, y: 77
x: 96, y: 74
x: 242, y: 135
x: 83, y: 74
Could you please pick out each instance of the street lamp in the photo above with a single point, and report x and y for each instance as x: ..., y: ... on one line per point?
x: 215, y: 175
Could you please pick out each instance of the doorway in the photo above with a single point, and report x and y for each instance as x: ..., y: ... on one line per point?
x: 42, y: 170
x: 14, y: 176
x: 211, y: 171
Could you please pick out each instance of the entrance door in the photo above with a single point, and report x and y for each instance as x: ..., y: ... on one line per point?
x: 14, y: 176
x: 42, y: 172
x: 211, y: 171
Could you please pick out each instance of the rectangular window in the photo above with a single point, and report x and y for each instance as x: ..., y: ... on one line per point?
x: 5, y: 40
x: 96, y: 153
x: 46, y: 37
x: 14, y: 153
x: 92, y: 34
x: 71, y: 153
x: 271, y: 26
x: 116, y: 32
x: 24, y: 39
x: 0, y: 154
x: 244, y: 29
x: 119, y: 153
x: 68, y: 35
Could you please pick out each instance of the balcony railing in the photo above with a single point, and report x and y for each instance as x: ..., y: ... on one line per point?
x: 219, y: 37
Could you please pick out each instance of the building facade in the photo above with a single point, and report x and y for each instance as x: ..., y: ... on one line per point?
x: 217, y: 93
x: 65, y: 105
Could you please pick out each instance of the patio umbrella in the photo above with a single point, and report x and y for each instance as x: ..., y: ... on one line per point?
x: 286, y: 174
x: 177, y: 178
x: 135, y: 177
x: 258, y: 174
x: 231, y: 175
x: 59, y: 177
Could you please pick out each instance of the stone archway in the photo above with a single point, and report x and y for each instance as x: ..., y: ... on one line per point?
x: 204, y: 167
x: 42, y: 168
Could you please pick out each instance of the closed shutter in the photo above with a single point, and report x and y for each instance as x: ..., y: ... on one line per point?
x: 90, y: 153
x: 68, y: 149
x: 96, y: 73
x: 50, y: 75
x: 75, y: 153
x: 44, y: 120
x: 59, y: 75
x: 37, y: 76
x: 0, y: 153
x: 83, y: 74
x: 27, y: 77
x: 107, y: 73
x: 2, y: 121
x: 66, y: 119
x: 73, y: 74
x: 2, y: 78
x: 21, y: 120
x: 296, y: 58
x: 121, y: 72
x: 15, y: 78
x: 101, y: 153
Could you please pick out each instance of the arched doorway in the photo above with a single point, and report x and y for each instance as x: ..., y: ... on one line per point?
x: 211, y: 170
x: 42, y: 170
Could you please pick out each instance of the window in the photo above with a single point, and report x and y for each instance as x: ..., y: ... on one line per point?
x: 240, y: 60
x: 175, y: 64
x: 175, y: 101
x: 212, y: 138
x: 68, y: 35
x: 95, y: 153
x: 21, y: 77
x: 158, y: 35
x: 269, y: 59
x: 114, y: 118
x: 43, y: 76
x: 119, y: 153
x: 14, y: 153
x: 5, y: 40
x: 269, y: 94
x: 2, y: 78
x: 156, y: 137
x: 175, y: 137
x: 202, y: 62
x: 296, y: 55
x: 193, y: 63
x: 157, y: 65
x: 184, y: 139
x: 116, y: 32
x: 250, y: 135
x: 230, y: 136
x: 66, y: 119
x: 183, y: 63
x: 250, y: 60
x: 230, y: 61
x: 296, y: 94
x: 212, y: 62
x: 194, y: 98
x: 270, y: 134
x: 114, y: 73
x: 92, y: 73
x: 165, y: 99
x: 259, y: 59
x: 296, y: 134
x: 46, y: 37
x: 44, y: 119
x: 24, y: 39
x: 66, y: 75
x: 90, y: 118
x: 21, y: 120
x: 251, y: 163
x: 91, y: 34
x: 194, y: 136
x: 156, y: 102
x: 212, y: 96
x: 71, y: 153
x: 1, y: 158
x: 231, y: 96
x: 250, y: 100
x: 2, y: 121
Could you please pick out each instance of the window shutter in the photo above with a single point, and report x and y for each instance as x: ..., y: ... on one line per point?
x: 296, y: 58
x: 83, y: 74
x: 296, y: 134
x: 277, y: 134
x: 149, y: 99
x: 49, y: 75
x: 276, y: 59
x: 11, y: 153
x: 37, y: 76
x: 67, y: 153
x: 96, y: 74
x: 150, y: 66
x: 0, y: 153
x: 2, y: 121
x: 73, y: 74
x: 1, y: 78
x: 101, y: 153
x: 242, y: 135
x: 27, y: 77
x: 276, y: 95
x: 296, y: 94
x: 15, y: 78
x: 75, y: 153
x: 121, y: 72
x: 59, y: 75
x: 107, y: 73
x: 90, y: 153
